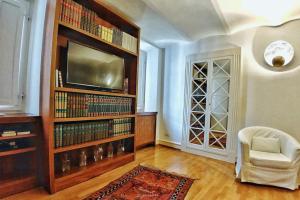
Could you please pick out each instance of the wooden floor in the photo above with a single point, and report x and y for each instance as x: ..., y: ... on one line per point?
x: 215, y: 179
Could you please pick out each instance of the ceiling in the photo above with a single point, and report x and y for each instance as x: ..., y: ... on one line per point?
x: 164, y: 21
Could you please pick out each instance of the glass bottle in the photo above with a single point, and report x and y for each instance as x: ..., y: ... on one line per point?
x: 101, y: 152
x: 96, y: 153
x: 110, y: 150
x: 82, y: 158
x: 65, y: 163
x: 121, y: 148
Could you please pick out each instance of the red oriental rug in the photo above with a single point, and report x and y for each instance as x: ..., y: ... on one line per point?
x: 144, y: 183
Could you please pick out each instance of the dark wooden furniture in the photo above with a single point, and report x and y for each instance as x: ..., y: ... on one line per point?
x: 57, y: 35
x: 19, y: 167
x: 145, y: 129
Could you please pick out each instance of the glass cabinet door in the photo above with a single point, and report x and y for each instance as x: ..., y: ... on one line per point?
x: 219, y: 104
x: 198, y: 103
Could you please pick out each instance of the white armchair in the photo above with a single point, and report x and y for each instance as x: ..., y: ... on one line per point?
x: 279, y: 169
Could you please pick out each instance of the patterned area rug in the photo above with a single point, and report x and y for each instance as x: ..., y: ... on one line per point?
x: 144, y: 183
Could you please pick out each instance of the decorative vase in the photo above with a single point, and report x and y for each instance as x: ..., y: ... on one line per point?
x: 82, y: 158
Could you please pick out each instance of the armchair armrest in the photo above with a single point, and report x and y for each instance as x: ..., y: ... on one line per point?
x: 291, y: 149
x: 244, y: 145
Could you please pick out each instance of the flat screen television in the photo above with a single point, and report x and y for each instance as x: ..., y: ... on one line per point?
x: 94, y: 68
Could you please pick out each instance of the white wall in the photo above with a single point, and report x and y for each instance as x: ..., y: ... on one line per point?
x: 269, y: 98
x: 172, y: 96
x: 34, y: 58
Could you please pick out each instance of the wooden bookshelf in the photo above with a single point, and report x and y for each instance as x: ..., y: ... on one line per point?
x: 93, y: 143
x: 57, y: 35
x: 19, y: 168
x: 78, y: 119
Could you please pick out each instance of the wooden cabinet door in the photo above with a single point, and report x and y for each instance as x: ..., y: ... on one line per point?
x: 146, y: 129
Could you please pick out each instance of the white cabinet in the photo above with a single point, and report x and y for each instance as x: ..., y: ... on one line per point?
x: 212, y: 104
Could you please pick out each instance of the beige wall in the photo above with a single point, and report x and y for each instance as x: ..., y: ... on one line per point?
x: 270, y: 98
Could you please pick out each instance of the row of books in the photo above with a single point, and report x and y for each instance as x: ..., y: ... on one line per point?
x: 88, y: 105
x: 121, y: 126
x: 87, y: 20
x: 77, y: 133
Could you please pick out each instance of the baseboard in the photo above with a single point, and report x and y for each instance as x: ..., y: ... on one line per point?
x: 175, y: 145
x: 226, y: 158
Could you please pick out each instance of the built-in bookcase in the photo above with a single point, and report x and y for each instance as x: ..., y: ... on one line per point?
x: 19, y: 153
x: 78, y: 120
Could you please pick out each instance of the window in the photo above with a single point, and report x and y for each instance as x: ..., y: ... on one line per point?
x: 142, y: 81
x: 149, y: 78
x: 14, y: 36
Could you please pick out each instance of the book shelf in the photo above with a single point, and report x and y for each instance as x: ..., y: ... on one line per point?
x: 75, y: 129
x: 19, y: 164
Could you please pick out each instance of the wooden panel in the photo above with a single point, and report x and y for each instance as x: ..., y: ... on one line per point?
x: 49, y: 62
x: 16, y: 185
x: 146, y: 129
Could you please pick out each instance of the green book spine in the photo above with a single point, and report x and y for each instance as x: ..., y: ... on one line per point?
x: 56, y: 138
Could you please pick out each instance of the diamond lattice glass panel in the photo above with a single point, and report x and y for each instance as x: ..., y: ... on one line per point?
x: 196, y: 136
x: 218, y: 122
x: 200, y: 70
x: 219, y: 104
x: 217, y: 139
x: 197, y: 120
x: 220, y: 86
x: 199, y: 87
x: 198, y: 103
x: 221, y: 68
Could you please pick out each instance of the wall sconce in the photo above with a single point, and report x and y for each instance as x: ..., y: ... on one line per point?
x: 279, y: 53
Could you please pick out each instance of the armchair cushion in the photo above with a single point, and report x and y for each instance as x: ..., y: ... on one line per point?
x: 271, y: 145
x: 271, y: 160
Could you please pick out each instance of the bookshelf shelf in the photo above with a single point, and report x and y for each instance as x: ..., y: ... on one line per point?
x: 17, y: 151
x: 73, y: 90
x: 17, y: 137
x: 93, y: 143
x: 91, y: 170
x: 78, y: 30
x: 78, y: 119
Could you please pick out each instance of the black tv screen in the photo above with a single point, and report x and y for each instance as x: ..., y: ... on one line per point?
x: 94, y: 68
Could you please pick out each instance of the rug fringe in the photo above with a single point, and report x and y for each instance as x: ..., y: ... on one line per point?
x: 164, y: 170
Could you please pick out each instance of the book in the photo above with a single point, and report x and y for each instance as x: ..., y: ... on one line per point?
x: 60, y: 79
x: 8, y: 133
x: 23, y: 133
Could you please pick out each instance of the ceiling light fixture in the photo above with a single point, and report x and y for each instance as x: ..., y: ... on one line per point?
x: 279, y: 53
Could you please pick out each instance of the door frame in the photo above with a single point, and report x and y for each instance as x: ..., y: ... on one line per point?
x: 235, y: 102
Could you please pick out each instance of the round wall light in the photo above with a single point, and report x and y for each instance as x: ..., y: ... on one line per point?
x: 279, y: 53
